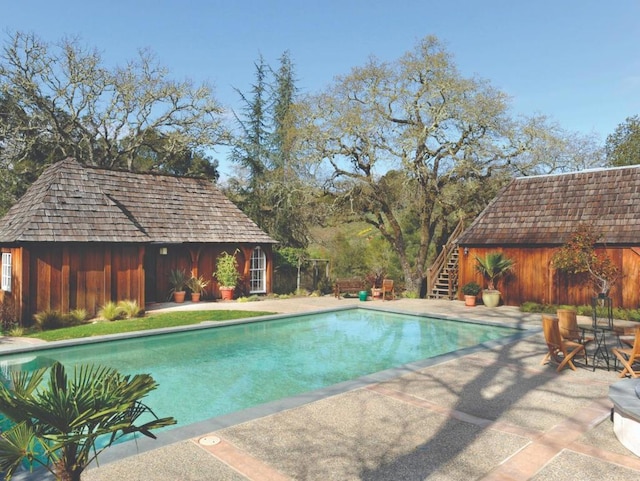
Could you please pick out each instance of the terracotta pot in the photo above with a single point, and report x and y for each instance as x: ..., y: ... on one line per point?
x: 179, y: 296
x: 226, y: 293
x: 195, y: 297
x: 470, y: 300
x: 376, y: 292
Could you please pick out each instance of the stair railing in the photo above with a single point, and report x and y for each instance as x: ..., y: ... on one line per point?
x: 441, y: 261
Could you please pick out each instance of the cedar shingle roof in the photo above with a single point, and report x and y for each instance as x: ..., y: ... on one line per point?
x: 547, y: 209
x: 75, y: 203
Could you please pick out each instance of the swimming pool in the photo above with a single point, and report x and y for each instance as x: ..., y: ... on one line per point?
x: 214, y: 371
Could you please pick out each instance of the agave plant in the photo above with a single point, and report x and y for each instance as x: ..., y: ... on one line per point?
x: 56, y: 424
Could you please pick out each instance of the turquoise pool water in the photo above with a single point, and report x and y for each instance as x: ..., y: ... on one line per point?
x: 210, y: 372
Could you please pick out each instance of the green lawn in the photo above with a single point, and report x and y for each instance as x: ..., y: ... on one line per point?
x: 151, y: 321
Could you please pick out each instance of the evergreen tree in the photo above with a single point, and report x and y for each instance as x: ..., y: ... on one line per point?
x: 273, y: 194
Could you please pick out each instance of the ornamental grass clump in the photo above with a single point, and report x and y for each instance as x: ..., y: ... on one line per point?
x: 130, y: 309
x: 110, y: 311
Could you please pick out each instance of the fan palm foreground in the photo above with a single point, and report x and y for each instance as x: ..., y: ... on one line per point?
x: 56, y: 423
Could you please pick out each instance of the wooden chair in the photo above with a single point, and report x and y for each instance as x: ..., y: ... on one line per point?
x: 568, y: 324
x: 628, y: 355
x: 387, y: 288
x: 560, y: 351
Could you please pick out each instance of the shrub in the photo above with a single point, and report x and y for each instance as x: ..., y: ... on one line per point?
x: 110, y: 312
x: 48, y: 320
x: 129, y: 309
x: 7, y: 315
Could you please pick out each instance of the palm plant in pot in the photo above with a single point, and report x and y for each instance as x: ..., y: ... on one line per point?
x: 226, y: 274
x: 178, y: 280
x: 197, y: 285
x: 493, y: 266
x: 470, y: 291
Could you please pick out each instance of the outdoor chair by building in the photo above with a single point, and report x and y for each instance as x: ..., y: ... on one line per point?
x: 560, y: 351
x: 388, y: 289
x: 568, y: 324
x: 628, y: 356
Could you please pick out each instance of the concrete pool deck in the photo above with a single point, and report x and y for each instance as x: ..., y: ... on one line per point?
x: 493, y: 414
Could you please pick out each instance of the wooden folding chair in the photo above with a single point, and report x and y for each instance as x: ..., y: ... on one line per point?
x: 627, y: 356
x: 560, y: 351
x: 387, y: 288
x: 568, y: 324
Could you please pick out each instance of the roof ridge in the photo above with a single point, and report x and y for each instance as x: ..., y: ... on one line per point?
x: 578, y: 172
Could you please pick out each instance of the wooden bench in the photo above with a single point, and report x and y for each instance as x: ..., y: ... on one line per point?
x: 350, y: 286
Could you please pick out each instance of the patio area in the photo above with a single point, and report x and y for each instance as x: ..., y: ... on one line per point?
x: 493, y: 414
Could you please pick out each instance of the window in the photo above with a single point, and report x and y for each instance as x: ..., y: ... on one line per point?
x: 6, y: 272
x: 258, y: 271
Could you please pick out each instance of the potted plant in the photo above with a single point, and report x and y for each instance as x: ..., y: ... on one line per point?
x: 470, y: 291
x: 197, y: 285
x: 178, y: 281
x: 226, y: 274
x: 493, y: 266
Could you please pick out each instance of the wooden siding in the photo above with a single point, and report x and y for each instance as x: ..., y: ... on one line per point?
x: 200, y: 260
x: 70, y: 276
x: 534, y: 279
x: 66, y: 276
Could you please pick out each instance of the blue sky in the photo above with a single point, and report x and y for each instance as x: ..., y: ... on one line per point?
x: 577, y: 61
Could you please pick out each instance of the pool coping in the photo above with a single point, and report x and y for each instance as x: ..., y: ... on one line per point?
x: 195, y: 430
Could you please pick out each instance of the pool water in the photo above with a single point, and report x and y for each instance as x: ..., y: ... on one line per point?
x: 210, y: 372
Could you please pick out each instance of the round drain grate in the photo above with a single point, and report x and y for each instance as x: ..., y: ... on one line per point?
x: 209, y: 440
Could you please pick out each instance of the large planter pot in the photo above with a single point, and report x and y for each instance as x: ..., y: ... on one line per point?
x: 195, y: 297
x: 226, y: 293
x: 490, y: 298
x: 179, y: 296
x: 470, y: 300
x: 376, y: 293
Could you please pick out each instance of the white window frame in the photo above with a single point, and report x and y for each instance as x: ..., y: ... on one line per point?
x: 258, y: 272
x: 5, y: 285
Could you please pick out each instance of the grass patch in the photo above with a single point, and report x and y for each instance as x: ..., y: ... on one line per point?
x: 151, y: 321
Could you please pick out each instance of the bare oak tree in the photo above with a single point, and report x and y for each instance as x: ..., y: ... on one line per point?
x: 102, y: 116
x: 418, y: 122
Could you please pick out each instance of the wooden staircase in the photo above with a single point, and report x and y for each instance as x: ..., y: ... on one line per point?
x: 442, y: 276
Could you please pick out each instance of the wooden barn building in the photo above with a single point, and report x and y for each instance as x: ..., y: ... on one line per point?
x: 533, y: 216
x: 82, y: 236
